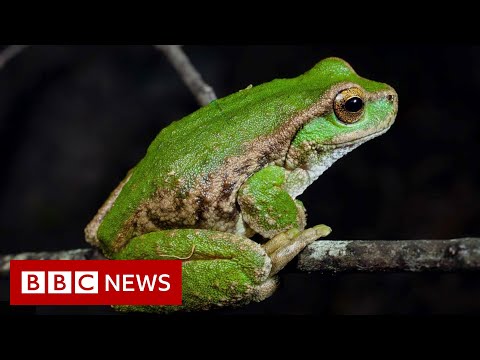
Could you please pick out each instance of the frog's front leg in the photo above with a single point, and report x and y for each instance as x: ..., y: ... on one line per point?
x: 218, y: 268
x: 270, y: 210
x: 267, y: 207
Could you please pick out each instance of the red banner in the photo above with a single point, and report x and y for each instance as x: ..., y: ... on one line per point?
x: 95, y: 282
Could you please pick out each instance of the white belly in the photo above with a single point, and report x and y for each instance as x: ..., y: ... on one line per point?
x: 299, y: 179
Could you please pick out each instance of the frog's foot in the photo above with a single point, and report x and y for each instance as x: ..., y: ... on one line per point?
x: 285, y: 246
x: 218, y: 269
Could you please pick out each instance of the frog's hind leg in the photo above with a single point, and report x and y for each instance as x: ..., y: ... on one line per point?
x: 218, y: 268
x: 285, y: 246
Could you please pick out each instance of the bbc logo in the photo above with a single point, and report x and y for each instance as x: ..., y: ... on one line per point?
x: 59, y: 282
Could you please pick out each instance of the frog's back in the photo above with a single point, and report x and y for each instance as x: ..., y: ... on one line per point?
x: 194, y: 167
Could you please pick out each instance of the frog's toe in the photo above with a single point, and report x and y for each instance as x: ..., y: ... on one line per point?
x: 319, y: 231
x: 266, y: 288
x: 285, y: 246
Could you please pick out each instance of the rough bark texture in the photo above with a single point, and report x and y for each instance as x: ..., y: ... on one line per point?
x: 77, y: 254
x: 393, y: 255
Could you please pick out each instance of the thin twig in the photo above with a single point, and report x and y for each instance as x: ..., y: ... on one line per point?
x: 340, y: 256
x: 10, y: 52
x: 393, y: 255
x: 190, y: 76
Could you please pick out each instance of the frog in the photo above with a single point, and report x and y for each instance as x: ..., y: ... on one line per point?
x: 218, y: 188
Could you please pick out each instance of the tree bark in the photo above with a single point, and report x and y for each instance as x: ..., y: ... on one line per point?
x: 392, y: 255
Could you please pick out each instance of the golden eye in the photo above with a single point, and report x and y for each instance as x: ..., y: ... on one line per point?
x: 349, y: 105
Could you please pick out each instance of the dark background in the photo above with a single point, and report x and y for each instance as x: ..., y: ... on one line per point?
x: 74, y: 119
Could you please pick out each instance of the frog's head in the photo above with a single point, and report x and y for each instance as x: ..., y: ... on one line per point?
x: 350, y: 111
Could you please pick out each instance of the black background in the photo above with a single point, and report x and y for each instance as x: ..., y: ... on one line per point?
x: 74, y: 119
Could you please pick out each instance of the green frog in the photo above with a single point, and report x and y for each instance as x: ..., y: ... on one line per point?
x: 233, y: 170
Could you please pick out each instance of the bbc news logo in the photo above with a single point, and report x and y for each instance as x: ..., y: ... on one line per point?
x: 86, y: 282
x: 95, y: 282
x: 59, y: 282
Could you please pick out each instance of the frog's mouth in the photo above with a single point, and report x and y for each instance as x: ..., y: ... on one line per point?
x: 357, y: 140
x: 359, y: 137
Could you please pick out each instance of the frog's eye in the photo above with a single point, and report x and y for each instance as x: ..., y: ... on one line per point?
x: 349, y: 105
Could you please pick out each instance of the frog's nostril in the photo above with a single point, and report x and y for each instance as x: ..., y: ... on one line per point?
x: 391, y: 98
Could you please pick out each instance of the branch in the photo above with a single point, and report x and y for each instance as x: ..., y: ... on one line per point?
x: 393, y: 255
x: 190, y: 76
x: 77, y: 254
x: 339, y: 256
x: 9, y: 53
